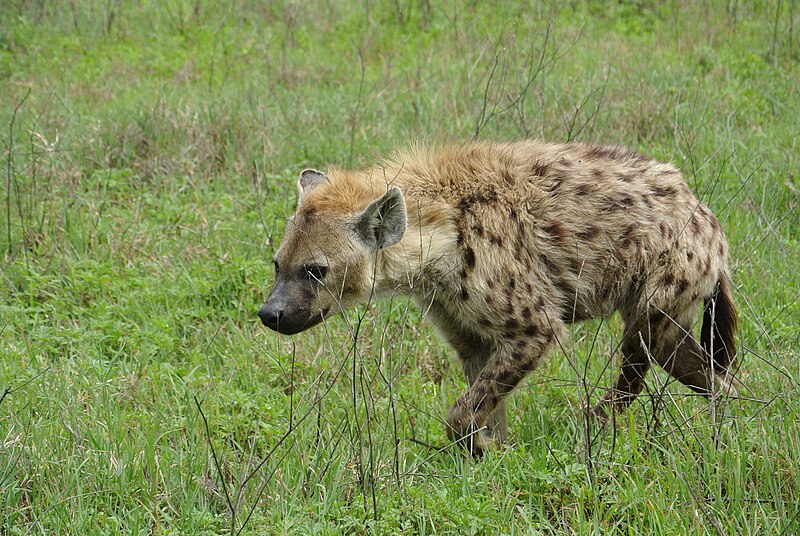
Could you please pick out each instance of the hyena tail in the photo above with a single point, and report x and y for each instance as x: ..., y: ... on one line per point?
x: 720, y: 321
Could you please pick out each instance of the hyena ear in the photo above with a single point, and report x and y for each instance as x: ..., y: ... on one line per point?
x: 308, y: 180
x: 383, y: 222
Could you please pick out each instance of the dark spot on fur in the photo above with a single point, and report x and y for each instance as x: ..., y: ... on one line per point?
x: 478, y: 228
x: 464, y: 294
x: 555, y: 230
x: 662, y: 228
x: 695, y: 224
x: 531, y: 330
x: 508, y: 176
x: 540, y: 303
x: 554, y: 184
x: 552, y: 267
x: 483, y: 398
x: 469, y: 257
x: 689, y: 256
x: 583, y: 190
x: 597, y: 174
x: 668, y: 279
x: 512, y: 282
x: 602, y: 152
x: 721, y: 250
x: 528, y: 287
x: 512, y: 213
x: 619, y: 154
x: 512, y: 324
x: 647, y: 202
x: 509, y: 378
x: 496, y: 240
x: 589, y: 233
x: 627, y: 236
x: 655, y: 317
x: 489, y: 299
x: 519, y: 237
x: 510, y: 300
x: 663, y: 191
x: 480, y: 198
x: 626, y: 177
x: 490, y: 283
x: 540, y: 170
x: 707, y: 267
x: 613, y: 205
x: 683, y: 284
x: 576, y: 265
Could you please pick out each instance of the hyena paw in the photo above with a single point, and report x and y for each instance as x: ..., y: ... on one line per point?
x: 464, y: 428
x: 600, y: 413
x: 726, y: 385
x: 613, y: 401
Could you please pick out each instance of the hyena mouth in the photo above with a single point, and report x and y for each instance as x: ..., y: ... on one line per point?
x: 291, y: 326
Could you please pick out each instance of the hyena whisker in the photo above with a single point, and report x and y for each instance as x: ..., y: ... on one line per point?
x: 503, y: 246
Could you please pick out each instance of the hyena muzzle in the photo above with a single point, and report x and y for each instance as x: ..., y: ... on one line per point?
x: 502, y: 246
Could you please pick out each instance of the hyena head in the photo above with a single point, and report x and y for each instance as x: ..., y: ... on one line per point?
x: 326, y: 261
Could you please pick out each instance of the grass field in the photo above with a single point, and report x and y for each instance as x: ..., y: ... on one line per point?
x: 149, y: 155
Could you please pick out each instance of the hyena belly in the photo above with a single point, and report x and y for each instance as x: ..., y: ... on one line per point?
x: 504, y: 244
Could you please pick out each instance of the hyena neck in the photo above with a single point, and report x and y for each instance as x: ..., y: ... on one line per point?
x: 424, y: 258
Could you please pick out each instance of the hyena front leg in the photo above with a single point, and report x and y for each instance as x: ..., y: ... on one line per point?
x: 473, y: 362
x: 510, y: 361
x: 474, y: 352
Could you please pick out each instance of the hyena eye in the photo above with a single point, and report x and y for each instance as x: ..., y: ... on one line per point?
x: 316, y: 271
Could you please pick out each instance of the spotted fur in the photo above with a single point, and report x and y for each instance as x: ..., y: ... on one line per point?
x: 503, y: 245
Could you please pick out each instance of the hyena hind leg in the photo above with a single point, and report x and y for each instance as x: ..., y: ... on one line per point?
x: 679, y: 353
x: 675, y: 348
x: 630, y: 380
x: 667, y: 340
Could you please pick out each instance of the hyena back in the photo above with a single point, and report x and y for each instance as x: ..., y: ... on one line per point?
x: 503, y: 245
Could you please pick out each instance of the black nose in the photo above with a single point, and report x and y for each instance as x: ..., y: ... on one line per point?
x: 270, y: 315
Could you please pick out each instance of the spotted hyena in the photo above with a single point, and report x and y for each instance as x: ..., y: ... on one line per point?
x: 503, y: 245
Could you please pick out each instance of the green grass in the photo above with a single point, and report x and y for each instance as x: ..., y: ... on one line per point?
x: 149, y: 153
